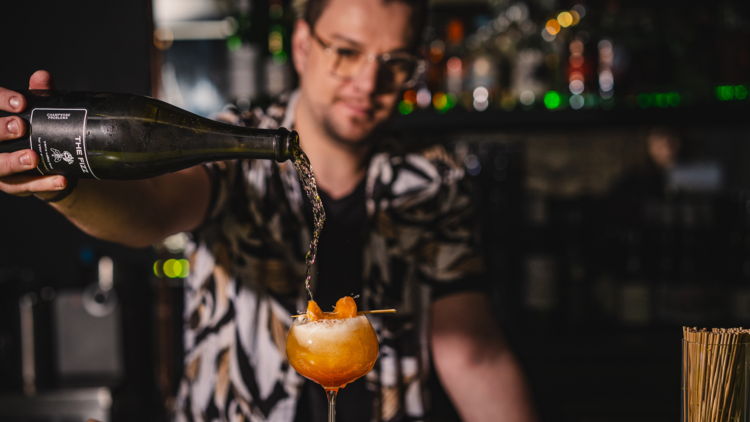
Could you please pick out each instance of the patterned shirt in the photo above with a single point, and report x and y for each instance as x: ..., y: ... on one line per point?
x: 247, y: 278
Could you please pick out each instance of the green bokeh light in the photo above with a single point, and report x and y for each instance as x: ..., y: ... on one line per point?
x: 725, y: 93
x: 740, y: 92
x: 169, y: 269
x: 174, y: 268
x: 451, y: 101
x: 552, y: 100
x: 674, y: 99
x: 405, y: 107
x: 661, y: 100
x: 644, y: 100
x: 234, y: 43
x: 280, y: 58
x: 185, y: 268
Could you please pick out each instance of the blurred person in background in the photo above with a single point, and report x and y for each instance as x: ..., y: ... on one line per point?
x: 399, y: 234
x: 663, y: 147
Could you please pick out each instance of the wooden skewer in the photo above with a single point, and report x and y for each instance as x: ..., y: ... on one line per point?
x: 379, y: 311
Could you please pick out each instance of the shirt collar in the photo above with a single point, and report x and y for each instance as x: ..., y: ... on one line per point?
x: 291, y: 106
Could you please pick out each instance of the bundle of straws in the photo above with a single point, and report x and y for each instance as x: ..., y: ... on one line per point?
x: 714, y: 374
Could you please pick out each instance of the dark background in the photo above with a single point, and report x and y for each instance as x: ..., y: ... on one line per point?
x: 89, y: 46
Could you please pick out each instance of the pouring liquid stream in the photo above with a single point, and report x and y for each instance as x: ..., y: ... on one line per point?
x: 304, y: 170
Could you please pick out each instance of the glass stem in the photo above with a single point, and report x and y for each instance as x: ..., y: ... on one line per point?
x: 331, y: 405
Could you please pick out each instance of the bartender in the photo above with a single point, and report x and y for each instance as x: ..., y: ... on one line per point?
x: 399, y: 233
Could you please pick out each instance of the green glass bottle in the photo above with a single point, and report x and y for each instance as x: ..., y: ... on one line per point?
x: 127, y: 137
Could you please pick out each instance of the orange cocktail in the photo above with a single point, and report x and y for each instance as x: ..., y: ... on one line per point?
x: 332, y: 348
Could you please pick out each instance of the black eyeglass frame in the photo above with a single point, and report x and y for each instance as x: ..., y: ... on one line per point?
x: 382, y: 59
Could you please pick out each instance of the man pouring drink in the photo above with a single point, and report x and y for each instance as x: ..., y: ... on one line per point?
x: 399, y: 234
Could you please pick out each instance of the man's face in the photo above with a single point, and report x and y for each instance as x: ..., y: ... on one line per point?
x: 663, y: 150
x: 349, y: 109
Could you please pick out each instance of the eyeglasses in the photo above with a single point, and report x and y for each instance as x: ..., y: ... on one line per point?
x: 397, y: 69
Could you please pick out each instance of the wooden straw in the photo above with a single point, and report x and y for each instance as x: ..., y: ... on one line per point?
x: 714, y: 374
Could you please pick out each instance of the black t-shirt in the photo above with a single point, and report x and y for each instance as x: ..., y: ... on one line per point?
x: 340, y: 266
x: 339, y: 260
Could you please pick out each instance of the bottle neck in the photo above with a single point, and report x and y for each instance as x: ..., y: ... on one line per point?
x: 272, y: 144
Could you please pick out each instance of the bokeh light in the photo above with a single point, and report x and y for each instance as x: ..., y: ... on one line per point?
x: 576, y: 102
x: 275, y: 11
x: 481, y: 105
x: 481, y: 94
x: 674, y: 99
x: 576, y: 87
x: 552, y: 100
x: 234, y: 43
x: 454, y: 65
x: 451, y: 100
x: 439, y: 100
x: 661, y: 100
x: 725, y: 93
x: 527, y: 98
x: 172, y: 268
x: 606, y: 80
x: 405, y: 107
x: 644, y: 100
x: 546, y: 36
x: 565, y: 19
x: 473, y: 166
x: 424, y: 98
x: 576, y: 17
x: 276, y: 39
x: 579, y: 9
x: 553, y: 26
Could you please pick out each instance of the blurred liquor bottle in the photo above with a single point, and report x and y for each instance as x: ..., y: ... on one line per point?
x: 246, y: 50
x: 574, y: 236
x: 738, y: 255
x: 497, y: 168
x: 634, y: 290
x: 541, y: 282
x: 278, y: 74
x: 260, y: 51
x: 600, y: 55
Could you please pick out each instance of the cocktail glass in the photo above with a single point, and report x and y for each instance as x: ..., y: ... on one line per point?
x: 332, y: 348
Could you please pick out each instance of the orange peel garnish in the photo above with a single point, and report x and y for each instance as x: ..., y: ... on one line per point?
x: 346, y: 307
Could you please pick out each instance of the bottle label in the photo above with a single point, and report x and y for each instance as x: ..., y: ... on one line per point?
x: 58, y: 136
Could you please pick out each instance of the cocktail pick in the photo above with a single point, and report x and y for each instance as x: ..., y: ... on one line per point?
x: 379, y: 311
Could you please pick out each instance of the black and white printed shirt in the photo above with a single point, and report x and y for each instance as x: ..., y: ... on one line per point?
x: 247, y: 278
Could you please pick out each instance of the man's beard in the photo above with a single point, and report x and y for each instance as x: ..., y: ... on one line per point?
x: 365, y: 140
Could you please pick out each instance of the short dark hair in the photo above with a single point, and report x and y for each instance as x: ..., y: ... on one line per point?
x: 311, y: 10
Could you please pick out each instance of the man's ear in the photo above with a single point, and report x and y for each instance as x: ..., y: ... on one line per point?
x: 301, y: 43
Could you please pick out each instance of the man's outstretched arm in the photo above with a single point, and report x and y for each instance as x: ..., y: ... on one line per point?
x: 134, y: 213
x: 476, y: 368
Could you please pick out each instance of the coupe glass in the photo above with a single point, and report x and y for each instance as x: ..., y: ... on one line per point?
x: 332, y: 352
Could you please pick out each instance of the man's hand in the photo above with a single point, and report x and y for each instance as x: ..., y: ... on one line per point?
x: 20, y: 161
x: 477, y: 369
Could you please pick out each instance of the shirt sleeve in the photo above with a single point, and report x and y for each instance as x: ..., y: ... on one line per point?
x: 222, y: 178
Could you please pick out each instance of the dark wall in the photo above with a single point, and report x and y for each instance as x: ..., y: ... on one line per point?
x: 97, y: 45
x: 87, y: 45
x: 91, y: 45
